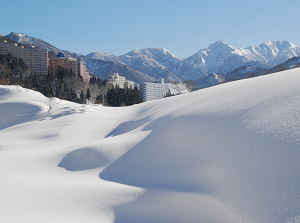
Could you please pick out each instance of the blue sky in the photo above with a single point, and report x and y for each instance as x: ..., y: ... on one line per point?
x: 183, y: 27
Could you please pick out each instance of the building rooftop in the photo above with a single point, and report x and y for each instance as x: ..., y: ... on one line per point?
x: 60, y: 54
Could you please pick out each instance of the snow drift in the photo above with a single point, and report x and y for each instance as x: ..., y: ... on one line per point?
x: 228, y: 153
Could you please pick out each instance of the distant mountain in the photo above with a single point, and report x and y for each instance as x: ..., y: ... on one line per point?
x: 105, y: 57
x: 245, y: 72
x: 142, y: 61
x: 106, y: 68
x: 275, y: 52
x: 220, y: 57
x: 210, y: 66
x: 165, y: 64
x: 149, y: 66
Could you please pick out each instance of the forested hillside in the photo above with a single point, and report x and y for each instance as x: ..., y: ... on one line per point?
x: 67, y: 85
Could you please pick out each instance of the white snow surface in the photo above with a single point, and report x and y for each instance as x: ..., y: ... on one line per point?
x: 228, y: 153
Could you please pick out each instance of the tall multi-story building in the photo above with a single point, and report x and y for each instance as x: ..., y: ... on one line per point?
x: 153, y: 91
x: 35, y: 59
x: 74, y: 65
x: 116, y: 80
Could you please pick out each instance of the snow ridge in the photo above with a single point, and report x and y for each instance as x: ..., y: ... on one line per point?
x: 228, y: 154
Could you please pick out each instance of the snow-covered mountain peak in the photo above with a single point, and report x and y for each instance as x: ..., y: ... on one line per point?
x: 21, y: 35
x: 274, y: 52
x: 283, y: 45
x: 275, y: 46
x: 167, y: 52
x: 104, y: 56
x: 133, y: 53
x: 31, y: 41
x: 221, y: 47
x: 218, y: 43
x: 153, y: 53
x: 21, y: 38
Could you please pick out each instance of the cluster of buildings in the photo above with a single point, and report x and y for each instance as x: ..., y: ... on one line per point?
x: 37, y: 60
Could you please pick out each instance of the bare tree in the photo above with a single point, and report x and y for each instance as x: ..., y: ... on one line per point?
x: 47, y: 102
x: 190, y: 85
x: 184, y: 87
x: 177, y: 86
x: 96, y: 90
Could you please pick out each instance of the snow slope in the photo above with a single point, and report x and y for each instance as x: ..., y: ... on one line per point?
x: 228, y: 153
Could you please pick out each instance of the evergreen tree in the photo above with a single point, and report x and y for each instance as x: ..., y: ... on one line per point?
x: 82, y: 98
x: 60, y: 73
x: 88, y: 94
x: 118, y: 96
x: 136, y: 96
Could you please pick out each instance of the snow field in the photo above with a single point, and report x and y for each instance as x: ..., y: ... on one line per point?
x: 228, y: 153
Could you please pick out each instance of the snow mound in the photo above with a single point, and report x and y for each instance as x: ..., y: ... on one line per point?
x: 228, y: 153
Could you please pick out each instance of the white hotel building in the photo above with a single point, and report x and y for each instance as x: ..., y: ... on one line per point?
x: 116, y: 80
x: 153, y: 91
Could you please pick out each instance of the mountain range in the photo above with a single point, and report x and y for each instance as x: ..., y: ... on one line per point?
x: 208, y: 66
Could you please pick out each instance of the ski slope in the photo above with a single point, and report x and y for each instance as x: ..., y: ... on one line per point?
x: 229, y: 153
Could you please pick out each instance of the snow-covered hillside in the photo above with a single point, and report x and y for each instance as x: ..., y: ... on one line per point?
x: 229, y: 153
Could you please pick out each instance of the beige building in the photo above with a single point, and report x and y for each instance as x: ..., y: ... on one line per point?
x: 116, y: 80
x: 74, y: 65
x: 35, y: 59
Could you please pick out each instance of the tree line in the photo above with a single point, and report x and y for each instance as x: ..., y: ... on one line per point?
x: 117, y: 96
